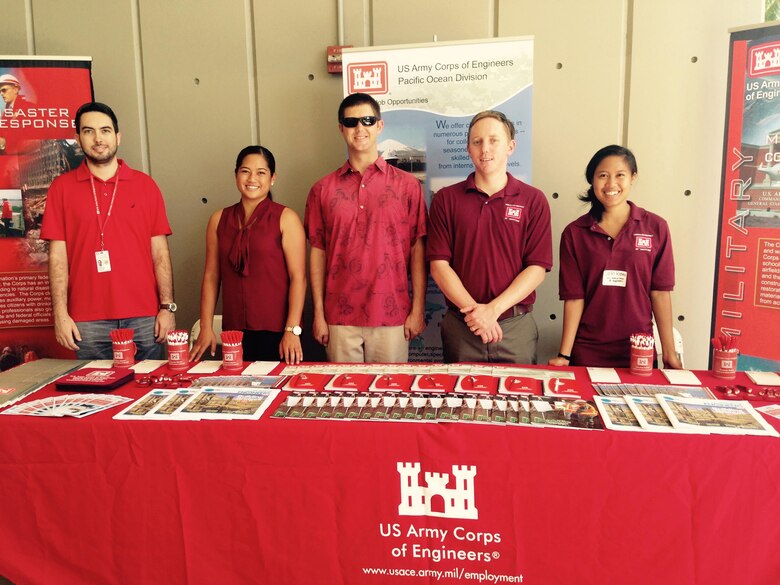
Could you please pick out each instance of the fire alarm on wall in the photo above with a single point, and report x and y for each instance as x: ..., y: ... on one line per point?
x: 334, y: 57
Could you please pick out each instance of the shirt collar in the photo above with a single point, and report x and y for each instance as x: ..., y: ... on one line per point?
x: 83, y: 172
x: 513, y: 186
x: 588, y: 221
x: 379, y: 163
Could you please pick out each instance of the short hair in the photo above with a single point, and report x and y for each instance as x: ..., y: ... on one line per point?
x: 596, y: 208
x: 496, y: 115
x: 95, y: 107
x: 358, y: 99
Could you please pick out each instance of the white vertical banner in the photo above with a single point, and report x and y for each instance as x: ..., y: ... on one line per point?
x: 428, y: 94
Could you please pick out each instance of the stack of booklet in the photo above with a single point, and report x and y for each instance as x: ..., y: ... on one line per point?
x: 77, y: 405
x: 403, y: 406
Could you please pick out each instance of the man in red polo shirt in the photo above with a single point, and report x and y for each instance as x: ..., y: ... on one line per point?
x: 109, y: 264
x: 490, y: 246
x: 366, y: 223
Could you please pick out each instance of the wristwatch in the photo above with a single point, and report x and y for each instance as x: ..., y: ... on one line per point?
x: 170, y: 306
x: 295, y: 330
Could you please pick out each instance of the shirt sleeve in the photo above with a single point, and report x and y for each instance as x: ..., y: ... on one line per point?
x: 439, y: 243
x: 538, y: 245
x: 53, y: 226
x: 159, y: 224
x: 663, y: 269
x: 418, y: 213
x: 570, y: 279
x: 313, y: 222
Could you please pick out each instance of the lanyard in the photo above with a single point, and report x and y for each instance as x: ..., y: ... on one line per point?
x: 101, y: 224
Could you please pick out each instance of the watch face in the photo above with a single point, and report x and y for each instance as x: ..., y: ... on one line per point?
x: 297, y: 330
x: 173, y: 307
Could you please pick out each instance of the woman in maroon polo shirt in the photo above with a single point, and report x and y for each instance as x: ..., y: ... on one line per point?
x: 616, y: 270
x: 257, y: 250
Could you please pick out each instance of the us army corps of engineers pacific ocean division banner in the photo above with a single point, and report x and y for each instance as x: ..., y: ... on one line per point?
x: 428, y: 94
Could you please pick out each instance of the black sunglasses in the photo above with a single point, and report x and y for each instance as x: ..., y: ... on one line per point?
x: 352, y: 122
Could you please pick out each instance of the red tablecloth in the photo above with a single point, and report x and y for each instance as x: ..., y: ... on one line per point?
x: 97, y: 501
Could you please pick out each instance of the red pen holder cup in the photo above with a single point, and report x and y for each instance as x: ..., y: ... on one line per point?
x: 724, y: 363
x: 178, y: 356
x: 641, y: 361
x: 124, y: 353
x: 232, y: 357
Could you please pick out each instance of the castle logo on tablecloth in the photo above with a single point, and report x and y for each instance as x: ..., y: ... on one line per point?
x: 435, y: 498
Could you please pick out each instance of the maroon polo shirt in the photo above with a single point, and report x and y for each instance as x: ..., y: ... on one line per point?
x: 489, y: 240
x: 643, y: 250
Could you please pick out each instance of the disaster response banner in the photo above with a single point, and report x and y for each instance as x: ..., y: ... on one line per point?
x: 746, y: 300
x: 38, y: 98
x: 428, y: 94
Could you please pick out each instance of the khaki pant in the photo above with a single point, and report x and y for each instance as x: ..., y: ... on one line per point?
x: 517, y: 347
x: 349, y: 344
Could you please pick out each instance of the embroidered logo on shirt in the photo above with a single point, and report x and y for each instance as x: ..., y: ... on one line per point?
x: 643, y: 242
x: 367, y: 77
x: 513, y: 212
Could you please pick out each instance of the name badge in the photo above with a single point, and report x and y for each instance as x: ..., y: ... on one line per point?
x: 614, y: 278
x: 103, y: 261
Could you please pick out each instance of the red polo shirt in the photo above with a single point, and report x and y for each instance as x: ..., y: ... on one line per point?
x: 489, y: 240
x: 643, y: 251
x: 366, y: 225
x: 130, y: 288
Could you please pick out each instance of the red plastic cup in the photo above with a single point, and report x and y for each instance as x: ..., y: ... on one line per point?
x: 124, y: 353
x: 724, y: 363
x: 178, y: 356
x: 641, y: 361
x: 232, y: 357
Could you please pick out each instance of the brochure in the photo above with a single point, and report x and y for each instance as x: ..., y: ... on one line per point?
x: 715, y: 416
x: 617, y: 415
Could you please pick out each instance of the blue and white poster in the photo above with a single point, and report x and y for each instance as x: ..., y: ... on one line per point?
x: 428, y: 94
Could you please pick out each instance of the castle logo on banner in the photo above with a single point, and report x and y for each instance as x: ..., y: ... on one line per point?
x: 435, y: 498
x: 367, y: 77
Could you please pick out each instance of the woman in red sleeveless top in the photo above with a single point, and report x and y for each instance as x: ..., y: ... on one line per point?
x: 256, y: 249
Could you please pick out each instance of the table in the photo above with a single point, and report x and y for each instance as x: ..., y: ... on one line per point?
x: 97, y: 501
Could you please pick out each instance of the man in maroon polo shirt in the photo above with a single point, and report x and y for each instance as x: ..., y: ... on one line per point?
x: 366, y: 223
x: 490, y: 246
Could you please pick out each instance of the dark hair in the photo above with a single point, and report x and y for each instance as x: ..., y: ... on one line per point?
x: 358, y: 99
x: 496, y: 115
x: 262, y: 151
x: 596, y: 208
x: 95, y: 107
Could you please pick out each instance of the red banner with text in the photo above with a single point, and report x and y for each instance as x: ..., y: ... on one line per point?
x: 746, y: 300
x: 38, y: 98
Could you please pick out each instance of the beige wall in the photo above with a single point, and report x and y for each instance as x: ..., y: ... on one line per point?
x: 193, y: 81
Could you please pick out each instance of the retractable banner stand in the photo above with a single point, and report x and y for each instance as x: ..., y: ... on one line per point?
x: 428, y: 94
x: 38, y: 98
x: 746, y: 300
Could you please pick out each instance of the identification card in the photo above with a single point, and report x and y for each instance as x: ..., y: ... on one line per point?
x: 103, y: 261
x: 614, y: 278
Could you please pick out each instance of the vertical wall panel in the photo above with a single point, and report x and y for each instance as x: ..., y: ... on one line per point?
x: 411, y: 21
x: 676, y: 117
x: 103, y: 31
x: 578, y: 100
x: 198, y: 116
x: 13, y: 28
